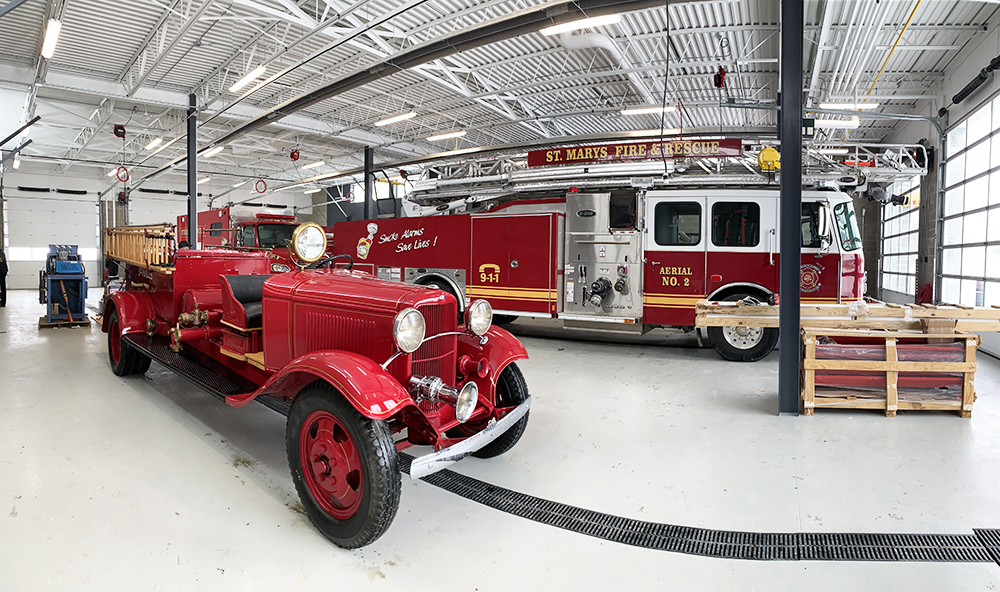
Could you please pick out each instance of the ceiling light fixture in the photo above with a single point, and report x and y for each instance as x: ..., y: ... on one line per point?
x: 153, y: 144
x: 396, y: 119
x: 205, y: 180
x: 316, y: 190
x: 852, y: 123
x: 51, y: 37
x: 24, y: 133
x: 313, y: 165
x: 240, y: 184
x: 112, y: 172
x: 647, y: 110
x: 447, y: 136
x: 833, y: 151
x: 165, y: 146
x: 213, y: 151
x: 849, y: 106
x: 17, y: 161
x: 253, y: 74
x: 597, y: 21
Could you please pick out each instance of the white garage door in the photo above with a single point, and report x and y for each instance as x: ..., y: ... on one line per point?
x: 35, y: 221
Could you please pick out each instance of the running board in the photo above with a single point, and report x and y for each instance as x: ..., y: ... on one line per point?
x: 219, y: 386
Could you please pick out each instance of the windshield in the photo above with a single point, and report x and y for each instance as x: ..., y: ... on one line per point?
x: 274, y: 236
x: 847, y: 226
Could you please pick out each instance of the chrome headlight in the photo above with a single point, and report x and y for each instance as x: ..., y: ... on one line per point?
x: 465, y: 404
x: 479, y: 316
x: 408, y: 330
x: 280, y: 268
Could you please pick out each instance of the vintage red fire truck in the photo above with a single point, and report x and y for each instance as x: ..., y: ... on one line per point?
x: 362, y: 367
x: 621, y: 259
x: 248, y: 228
x: 614, y: 245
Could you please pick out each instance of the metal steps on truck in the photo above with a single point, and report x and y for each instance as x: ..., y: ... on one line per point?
x: 218, y: 385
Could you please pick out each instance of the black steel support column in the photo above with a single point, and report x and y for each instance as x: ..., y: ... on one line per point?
x: 369, y: 181
x: 192, y: 170
x: 791, y: 204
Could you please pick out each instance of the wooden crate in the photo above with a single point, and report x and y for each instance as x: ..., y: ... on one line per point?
x: 891, y: 366
x: 857, y: 315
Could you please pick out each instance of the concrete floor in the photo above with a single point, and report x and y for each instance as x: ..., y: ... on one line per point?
x: 147, y: 483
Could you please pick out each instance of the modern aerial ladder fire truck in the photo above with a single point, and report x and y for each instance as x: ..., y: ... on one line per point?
x: 630, y: 236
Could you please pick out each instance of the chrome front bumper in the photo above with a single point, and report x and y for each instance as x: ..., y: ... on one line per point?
x: 432, y: 463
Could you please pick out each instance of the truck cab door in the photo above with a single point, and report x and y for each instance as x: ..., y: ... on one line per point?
x: 675, y: 236
x: 819, y: 271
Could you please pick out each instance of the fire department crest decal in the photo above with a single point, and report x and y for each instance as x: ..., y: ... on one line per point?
x: 365, y: 243
x: 809, y: 277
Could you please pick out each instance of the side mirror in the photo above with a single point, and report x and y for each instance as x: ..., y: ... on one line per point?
x: 824, y: 221
x: 824, y: 245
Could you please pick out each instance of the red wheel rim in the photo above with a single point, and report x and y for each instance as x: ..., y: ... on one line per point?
x: 331, y: 465
x: 116, y: 340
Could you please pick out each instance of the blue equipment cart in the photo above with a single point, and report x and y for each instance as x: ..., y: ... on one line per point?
x: 62, y: 285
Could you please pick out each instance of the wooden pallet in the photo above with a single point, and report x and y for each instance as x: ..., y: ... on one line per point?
x: 44, y: 324
x: 891, y: 366
x: 859, y: 315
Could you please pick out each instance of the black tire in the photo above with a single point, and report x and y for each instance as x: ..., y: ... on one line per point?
x: 756, y: 345
x: 501, y: 320
x: 376, y: 485
x: 511, y: 390
x: 129, y: 360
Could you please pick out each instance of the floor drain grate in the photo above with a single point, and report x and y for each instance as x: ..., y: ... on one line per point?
x: 984, y: 546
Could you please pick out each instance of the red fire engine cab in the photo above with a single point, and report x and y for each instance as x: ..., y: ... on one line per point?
x: 360, y: 366
x: 247, y: 228
x: 621, y: 259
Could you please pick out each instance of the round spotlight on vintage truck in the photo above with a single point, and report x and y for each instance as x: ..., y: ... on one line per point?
x: 479, y: 316
x: 408, y: 330
x: 465, y: 404
x: 309, y: 242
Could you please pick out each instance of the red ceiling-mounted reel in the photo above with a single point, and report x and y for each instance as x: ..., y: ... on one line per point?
x: 295, y: 155
x: 719, y: 78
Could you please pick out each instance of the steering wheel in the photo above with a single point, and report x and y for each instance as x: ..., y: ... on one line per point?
x: 329, y: 261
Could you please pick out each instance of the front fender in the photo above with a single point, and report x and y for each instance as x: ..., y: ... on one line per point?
x: 133, y: 307
x: 500, y: 350
x: 372, y: 391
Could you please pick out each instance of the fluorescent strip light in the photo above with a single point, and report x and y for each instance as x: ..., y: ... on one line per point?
x: 250, y: 77
x: 205, y: 180
x: 17, y: 161
x: 597, y: 21
x: 849, y: 106
x: 447, y: 136
x: 213, y: 151
x: 165, y: 146
x: 852, y: 123
x: 156, y: 142
x: 240, y: 184
x: 24, y: 134
x: 317, y: 190
x: 51, y: 37
x: 112, y: 172
x: 647, y: 110
x: 833, y: 151
x: 396, y: 119
x: 313, y: 165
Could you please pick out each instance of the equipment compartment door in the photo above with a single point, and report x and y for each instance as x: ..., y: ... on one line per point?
x: 512, y: 263
x: 674, y: 278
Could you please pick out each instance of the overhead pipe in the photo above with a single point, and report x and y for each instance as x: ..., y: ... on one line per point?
x: 602, y: 41
x: 522, y: 22
x: 880, y: 70
x: 857, y: 54
x: 870, y: 43
x: 843, y: 45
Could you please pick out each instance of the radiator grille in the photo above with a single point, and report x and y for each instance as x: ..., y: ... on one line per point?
x: 437, y: 356
x: 333, y: 331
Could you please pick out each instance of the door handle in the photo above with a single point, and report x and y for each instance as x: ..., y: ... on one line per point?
x: 513, y: 264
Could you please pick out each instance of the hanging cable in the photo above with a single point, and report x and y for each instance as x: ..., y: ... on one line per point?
x: 666, y: 79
